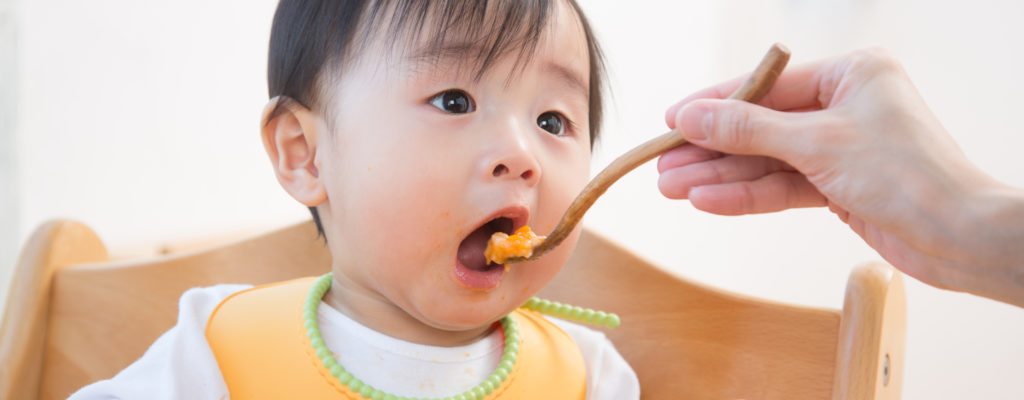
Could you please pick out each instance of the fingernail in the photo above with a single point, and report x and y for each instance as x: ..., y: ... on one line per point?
x: 695, y: 123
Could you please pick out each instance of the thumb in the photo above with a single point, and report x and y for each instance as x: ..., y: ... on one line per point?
x: 738, y: 127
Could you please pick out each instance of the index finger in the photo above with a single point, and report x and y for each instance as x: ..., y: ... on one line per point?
x: 797, y: 88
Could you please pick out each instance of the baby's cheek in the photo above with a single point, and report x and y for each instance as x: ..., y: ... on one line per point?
x: 414, y: 213
x: 558, y: 192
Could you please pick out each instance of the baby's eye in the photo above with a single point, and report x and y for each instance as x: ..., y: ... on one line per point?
x: 552, y: 122
x: 453, y: 101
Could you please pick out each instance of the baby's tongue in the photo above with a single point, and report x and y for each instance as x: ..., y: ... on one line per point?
x: 471, y: 250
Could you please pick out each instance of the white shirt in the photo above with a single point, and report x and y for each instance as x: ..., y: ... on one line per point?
x: 180, y: 364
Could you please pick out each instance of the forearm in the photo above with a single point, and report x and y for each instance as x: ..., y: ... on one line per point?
x: 991, y: 243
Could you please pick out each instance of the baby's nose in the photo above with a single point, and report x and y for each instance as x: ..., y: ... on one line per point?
x: 502, y: 169
x: 513, y: 158
x: 520, y: 165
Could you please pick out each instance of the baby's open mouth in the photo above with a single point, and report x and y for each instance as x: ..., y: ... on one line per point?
x: 471, y: 250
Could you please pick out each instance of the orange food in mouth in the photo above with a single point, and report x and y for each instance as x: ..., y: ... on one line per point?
x: 501, y: 246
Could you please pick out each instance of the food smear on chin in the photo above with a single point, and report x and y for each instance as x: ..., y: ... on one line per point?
x: 501, y: 246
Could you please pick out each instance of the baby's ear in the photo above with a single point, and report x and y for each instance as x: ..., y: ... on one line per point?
x: 290, y: 132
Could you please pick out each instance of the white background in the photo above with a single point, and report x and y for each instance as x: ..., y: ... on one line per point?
x: 140, y: 119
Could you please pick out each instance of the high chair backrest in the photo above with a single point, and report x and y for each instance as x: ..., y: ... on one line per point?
x: 74, y: 317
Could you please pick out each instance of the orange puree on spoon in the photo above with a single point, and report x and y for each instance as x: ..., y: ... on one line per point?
x: 502, y: 246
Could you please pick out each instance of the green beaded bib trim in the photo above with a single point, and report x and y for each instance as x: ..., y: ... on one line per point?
x: 478, y: 392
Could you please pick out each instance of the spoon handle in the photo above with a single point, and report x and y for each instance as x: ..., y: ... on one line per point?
x: 752, y: 90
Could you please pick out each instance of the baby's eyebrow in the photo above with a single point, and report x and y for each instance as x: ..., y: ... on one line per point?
x: 570, y: 76
x: 460, y: 51
x: 445, y: 53
x: 446, y: 50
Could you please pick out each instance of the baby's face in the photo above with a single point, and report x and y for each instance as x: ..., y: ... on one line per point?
x: 425, y: 162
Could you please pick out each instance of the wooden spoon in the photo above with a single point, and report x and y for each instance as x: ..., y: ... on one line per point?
x: 755, y: 87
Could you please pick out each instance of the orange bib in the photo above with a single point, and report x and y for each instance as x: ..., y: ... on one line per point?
x: 260, y: 343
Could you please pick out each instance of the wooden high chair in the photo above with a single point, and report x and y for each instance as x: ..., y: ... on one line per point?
x: 74, y: 317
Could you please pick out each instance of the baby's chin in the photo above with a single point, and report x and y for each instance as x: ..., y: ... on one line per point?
x: 465, y: 315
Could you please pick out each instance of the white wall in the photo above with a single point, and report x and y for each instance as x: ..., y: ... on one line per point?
x: 140, y: 119
x: 8, y: 114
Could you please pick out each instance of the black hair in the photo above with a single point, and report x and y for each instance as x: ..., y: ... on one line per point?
x: 311, y: 41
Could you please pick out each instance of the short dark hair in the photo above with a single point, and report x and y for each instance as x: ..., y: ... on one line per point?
x: 311, y: 39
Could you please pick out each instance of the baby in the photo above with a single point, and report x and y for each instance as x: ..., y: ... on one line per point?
x: 414, y: 131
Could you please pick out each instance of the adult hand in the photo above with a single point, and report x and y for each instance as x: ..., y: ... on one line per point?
x: 853, y: 134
